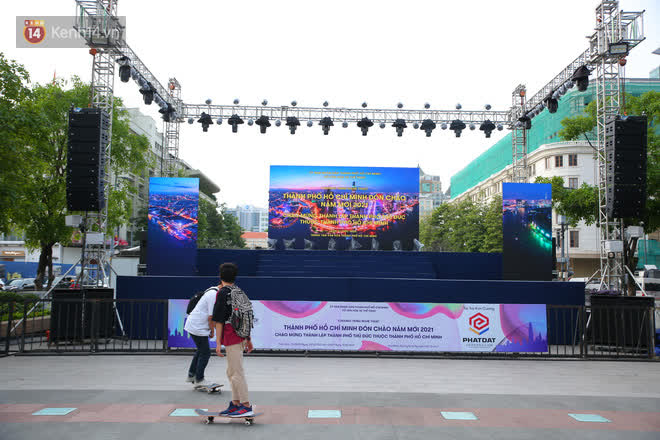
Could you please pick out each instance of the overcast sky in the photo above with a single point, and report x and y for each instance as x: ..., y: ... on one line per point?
x: 346, y: 52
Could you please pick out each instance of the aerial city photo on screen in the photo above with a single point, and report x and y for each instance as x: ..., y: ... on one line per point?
x: 316, y: 207
x: 173, y: 204
x: 527, y: 231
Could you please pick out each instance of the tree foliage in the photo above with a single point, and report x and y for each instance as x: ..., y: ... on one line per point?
x: 38, y: 156
x: 15, y: 126
x: 217, y: 229
x: 582, y: 204
x: 464, y: 227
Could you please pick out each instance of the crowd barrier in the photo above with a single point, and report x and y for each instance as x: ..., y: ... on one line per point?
x: 140, y: 326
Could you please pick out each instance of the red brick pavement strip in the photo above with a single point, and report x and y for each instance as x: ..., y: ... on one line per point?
x: 386, y: 416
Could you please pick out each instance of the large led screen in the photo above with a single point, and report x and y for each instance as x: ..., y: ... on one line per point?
x: 527, y: 231
x: 337, y: 208
x: 172, y: 230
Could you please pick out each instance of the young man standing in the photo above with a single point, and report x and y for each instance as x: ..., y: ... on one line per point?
x: 200, y: 328
x: 234, y: 345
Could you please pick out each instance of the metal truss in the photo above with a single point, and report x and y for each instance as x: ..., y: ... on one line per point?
x: 613, y: 26
x: 350, y: 115
x: 519, y: 172
x: 171, y: 130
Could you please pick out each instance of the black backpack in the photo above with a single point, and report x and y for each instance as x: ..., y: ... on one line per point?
x: 195, y: 299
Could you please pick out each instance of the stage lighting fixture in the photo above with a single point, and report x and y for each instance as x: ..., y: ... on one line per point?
x: 487, y: 127
x: 344, y: 124
x: 488, y: 107
x: 236, y: 101
x: 158, y: 100
x: 310, y: 124
x: 581, y: 78
x: 234, y: 121
x: 500, y: 127
x: 526, y: 122
x: 427, y: 106
x: 416, y: 125
x: 552, y: 104
x: 208, y: 101
x: 399, y: 124
x: 250, y: 122
x: 382, y: 125
x: 325, y: 103
x: 472, y: 126
x: 428, y: 126
x: 205, y: 120
x: 458, y: 126
x: 443, y: 126
x: 264, y: 102
x: 294, y: 103
x: 135, y: 75
x: 219, y: 121
x: 399, y: 105
x: 325, y: 124
x: 459, y: 106
x: 292, y: 122
x: 263, y: 123
x: 364, y: 104
x: 147, y: 93
x: 168, y: 112
x: 124, y: 68
x: 278, y: 123
x: 364, y: 125
x: 190, y: 121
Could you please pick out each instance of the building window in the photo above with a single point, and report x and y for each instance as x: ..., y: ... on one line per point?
x: 574, y: 239
x: 547, y: 163
x: 573, y: 182
x: 532, y: 170
x: 559, y: 161
x: 572, y: 160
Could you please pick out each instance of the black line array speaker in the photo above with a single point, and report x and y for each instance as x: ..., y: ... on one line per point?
x: 625, y: 151
x: 85, y: 168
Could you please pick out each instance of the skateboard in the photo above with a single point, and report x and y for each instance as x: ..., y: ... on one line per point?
x: 211, y: 415
x: 212, y: 388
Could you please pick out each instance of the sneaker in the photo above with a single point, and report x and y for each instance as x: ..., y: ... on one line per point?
x: 242, y: 411
x: 190, y: 379
x: 230, y: 409
x: 201, y: 383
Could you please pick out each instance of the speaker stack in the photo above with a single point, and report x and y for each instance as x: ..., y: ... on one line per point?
x: 625, y: 151
x: 88, y: 138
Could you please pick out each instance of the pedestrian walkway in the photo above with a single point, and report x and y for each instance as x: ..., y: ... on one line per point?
x: 116, y: 396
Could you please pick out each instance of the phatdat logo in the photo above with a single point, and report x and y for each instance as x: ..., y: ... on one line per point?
x: 479, y: 323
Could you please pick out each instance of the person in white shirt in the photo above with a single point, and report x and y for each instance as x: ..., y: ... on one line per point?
x: 200, y: 328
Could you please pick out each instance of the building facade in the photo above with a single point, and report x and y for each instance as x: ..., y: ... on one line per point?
x: 251, y: 218
x: 430, y: 193
x: 549, y: 156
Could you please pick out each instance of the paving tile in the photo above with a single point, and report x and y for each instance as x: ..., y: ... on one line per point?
x: 324, y: 414
x: 53, y: 412
x: 590, y: 418
x: 185, y: 412
x: 450, y: 415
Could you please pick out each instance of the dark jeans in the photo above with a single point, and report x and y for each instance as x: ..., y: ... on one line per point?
x: 201, y: 358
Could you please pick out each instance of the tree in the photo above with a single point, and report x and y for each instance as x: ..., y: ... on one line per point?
x: 15, y: 126
x: 216, y: 228
x: 41, y: 198
x: 464, y: 227
x: 582, y: 204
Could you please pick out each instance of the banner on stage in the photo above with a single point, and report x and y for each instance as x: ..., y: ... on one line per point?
x: 369, y: 208
x: 361, y: 326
